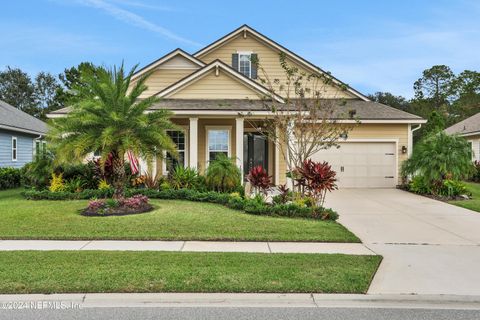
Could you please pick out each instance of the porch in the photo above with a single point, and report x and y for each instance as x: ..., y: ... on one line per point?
x: 200, y: 139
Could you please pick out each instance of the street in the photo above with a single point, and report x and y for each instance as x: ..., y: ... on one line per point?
x: 242, y: 313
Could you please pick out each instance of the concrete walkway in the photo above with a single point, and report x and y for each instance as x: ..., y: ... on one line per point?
x: 191, y: 246
x: 428, y: 246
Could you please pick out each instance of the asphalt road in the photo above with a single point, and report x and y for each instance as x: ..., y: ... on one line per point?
x: 191, y: 313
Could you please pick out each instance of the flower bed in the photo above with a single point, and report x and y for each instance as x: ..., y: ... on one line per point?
x: 113, y: 207
x: 234, y: 201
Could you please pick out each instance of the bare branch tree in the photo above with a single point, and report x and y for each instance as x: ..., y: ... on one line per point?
x: 308, y: 120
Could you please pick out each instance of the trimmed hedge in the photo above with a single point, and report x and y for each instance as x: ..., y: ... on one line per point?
x: 64, y: 195
x: 10, y: 178
x: 253, y: 206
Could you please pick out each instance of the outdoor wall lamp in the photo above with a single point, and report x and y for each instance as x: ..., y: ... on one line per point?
x: 404, y: 149
x: 343, y: 135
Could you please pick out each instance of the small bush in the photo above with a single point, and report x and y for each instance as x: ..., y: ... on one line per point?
x: 418, y: 185
x: 453, y: 188
x: 223, y: 174
x: 476, y: 172
x: 10, y: 178
x: 135, y: 204
x: 57, y: 184
x: 181, y: 177
x: 259, y: 179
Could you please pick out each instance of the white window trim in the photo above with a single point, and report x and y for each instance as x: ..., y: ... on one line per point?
x: 210, y: 128
x: 245, y: 53
x: 16, y: 148
x: 184, y: 129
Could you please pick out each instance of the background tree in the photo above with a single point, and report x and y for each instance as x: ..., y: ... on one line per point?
x: 71, y: 79
x: 17, y: 89
x: 36, y: 98
x: 435, y: 84
x: 398, y: 102
x: 109, y: 118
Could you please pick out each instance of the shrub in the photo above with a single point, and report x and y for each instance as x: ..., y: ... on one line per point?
x: 57, y: 184
x: 453, y: 188
x: 316, y: 178
x: 418, y: 185
x: 259, y: 179
x: 223, y: 174
x: 438, y: 157
x: 36, y: 174
x: 183, y: 177
x: 104, y: 185
x: 153, y: 181
x: 75, y: 172
x: 476, y: 172
x: 75, y: 185
x: 10, y: 178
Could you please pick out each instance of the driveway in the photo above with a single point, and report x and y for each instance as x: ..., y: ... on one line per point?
x: 429, y: 247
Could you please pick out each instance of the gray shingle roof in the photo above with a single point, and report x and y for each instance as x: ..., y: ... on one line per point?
x: 364, y: 109
x: 469, y: 125
x: 13, y: 119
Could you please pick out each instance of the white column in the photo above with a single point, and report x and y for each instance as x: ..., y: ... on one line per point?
x: 277, y: 158
x: 409, y: 140
x: 193, y: 141
x: 239, y: 123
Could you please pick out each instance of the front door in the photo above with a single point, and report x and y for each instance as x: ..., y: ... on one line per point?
x: 255, y: 151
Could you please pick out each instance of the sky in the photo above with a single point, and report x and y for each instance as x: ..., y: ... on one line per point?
x: 371, y: 45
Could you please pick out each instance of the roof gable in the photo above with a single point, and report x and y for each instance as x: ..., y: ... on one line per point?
x: 176, y: 59
x: 218, y: 81
x: 246, y: 30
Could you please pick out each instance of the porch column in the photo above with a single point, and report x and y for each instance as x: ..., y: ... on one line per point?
x: 239, y: 123
x: 277, y: 157
x: 193, y: 150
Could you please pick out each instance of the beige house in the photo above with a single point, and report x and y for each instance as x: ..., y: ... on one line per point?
x: 470, y: 129
x: 209, y: 90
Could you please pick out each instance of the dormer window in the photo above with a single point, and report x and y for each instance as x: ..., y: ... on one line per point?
x: 242, y: 62
x: 245, y: 64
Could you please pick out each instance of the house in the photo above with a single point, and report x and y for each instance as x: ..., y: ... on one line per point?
x: 470, y: 129
x: 209, y: 90
x: 21, y: 136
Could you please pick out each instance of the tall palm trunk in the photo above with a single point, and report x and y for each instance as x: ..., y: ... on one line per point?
x: 118, y: 182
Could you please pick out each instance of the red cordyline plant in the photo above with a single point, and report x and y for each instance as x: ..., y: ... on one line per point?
x: 259, y: 179
x: 316, y: 178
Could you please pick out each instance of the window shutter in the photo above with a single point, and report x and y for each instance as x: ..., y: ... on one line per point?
x: 235, y: 61
x: 254, y: 58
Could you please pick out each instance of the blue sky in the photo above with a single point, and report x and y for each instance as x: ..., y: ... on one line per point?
x: 371, y: 45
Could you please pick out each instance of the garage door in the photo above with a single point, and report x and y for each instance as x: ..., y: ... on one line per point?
x: 362, y: 164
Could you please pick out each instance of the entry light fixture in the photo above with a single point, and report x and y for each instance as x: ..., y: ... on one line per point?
x: 344, y: 135
x: 404, y: 149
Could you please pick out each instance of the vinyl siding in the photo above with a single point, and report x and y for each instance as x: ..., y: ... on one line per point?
x: 212, y: 86
x: 475, y: 141
x: 268, y: 59
x: 24, y: 149
x: 162, y: 78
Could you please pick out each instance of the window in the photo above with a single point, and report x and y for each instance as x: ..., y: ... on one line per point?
x: 245, y: 64
x: 218, y: 143
x: 178, y: 137
x: 14, y: 148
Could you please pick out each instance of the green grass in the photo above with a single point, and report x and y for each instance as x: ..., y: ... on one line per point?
x: 171, y: 220
x: 107, y: 271
x: 474, y: 203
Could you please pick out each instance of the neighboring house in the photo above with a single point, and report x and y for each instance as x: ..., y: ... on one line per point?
x: 470, y: 129
x: 207, y: 90
x: 21, y: 136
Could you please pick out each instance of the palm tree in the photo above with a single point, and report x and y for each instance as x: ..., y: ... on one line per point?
x: 107, y: 116
x: 222, y: 173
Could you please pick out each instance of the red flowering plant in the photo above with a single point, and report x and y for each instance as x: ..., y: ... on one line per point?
x: 316, y: 178
x: 260, y: 180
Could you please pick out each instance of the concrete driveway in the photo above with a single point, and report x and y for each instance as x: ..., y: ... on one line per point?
x: 429, y: 247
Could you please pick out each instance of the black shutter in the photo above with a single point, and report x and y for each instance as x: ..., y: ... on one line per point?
x: 235, y: 61
x: 254, y: 59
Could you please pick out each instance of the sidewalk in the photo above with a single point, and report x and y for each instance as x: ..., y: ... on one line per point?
x: 181, y: 246
x: 150, y: 300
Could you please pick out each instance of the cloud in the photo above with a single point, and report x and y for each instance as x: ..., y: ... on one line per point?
x: 135, y: 19
x: 143, y: 5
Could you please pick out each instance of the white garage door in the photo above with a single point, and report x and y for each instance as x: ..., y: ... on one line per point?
x: 362, y: 164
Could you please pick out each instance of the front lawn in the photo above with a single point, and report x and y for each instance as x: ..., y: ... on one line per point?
x: 171, y: 220
x: 474, y: 203
x: 106, y: 271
